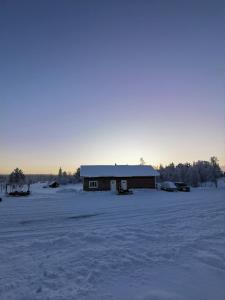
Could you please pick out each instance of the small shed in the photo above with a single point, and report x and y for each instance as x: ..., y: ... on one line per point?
x: 113, y: 177
x: 54, y: 184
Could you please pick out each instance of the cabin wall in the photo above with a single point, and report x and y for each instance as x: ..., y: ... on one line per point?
x: 103, y: 183
x: 132, y: 182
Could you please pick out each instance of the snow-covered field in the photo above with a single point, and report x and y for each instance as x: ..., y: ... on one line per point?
x: 68, y: 244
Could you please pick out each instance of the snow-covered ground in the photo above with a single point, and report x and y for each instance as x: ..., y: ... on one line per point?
x: 68, y: 244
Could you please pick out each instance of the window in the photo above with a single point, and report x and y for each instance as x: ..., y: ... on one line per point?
x: 93, y: 184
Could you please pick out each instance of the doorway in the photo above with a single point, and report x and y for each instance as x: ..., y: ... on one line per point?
x: 113, y: 185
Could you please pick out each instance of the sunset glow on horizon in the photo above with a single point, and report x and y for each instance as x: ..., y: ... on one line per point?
x: 94, y: 82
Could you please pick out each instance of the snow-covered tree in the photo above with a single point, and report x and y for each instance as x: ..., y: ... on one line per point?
x: 216, y: 171
x: 142, y: 162
x: 192, y: 174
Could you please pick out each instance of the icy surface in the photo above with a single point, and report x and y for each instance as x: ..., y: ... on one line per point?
x: 68, y: 244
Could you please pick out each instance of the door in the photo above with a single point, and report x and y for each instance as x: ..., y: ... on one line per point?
x: 124, y: 185
x: 113, y: 185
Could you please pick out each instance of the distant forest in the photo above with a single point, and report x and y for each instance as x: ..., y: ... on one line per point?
x: 193, y: 174
x: 18, y: 177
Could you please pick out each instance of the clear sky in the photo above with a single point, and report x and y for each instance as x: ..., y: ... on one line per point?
x: 99, y: 82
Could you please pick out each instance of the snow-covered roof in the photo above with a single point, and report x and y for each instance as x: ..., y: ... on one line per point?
x: 117, y: 171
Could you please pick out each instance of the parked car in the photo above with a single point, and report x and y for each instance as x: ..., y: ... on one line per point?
x: 168, y: 186
x: 182, y: 187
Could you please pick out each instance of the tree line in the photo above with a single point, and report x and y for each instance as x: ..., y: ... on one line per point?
x: 65, y: 178
x: 192, y: 174
x: 18, y: 177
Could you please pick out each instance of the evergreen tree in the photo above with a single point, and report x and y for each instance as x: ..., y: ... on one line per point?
x: 198, y: 172
x: 60, y: 172
x: 64, y: 174
x: 77, y: 175
x: 216, y: 171
x: 17, y: 177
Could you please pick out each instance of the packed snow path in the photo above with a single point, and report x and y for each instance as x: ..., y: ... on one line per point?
x: 70, y: 244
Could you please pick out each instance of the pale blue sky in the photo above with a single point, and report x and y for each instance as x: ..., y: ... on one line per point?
x: 99, y: 82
